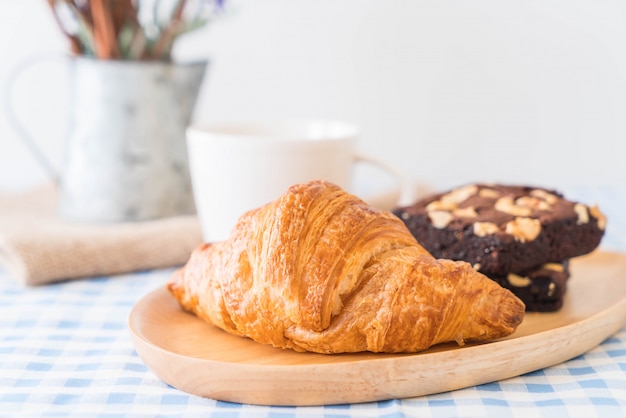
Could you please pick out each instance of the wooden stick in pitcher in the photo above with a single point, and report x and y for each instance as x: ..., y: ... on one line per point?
x: 104, y: 32
x: 163, y: 43
x: 123, y: 13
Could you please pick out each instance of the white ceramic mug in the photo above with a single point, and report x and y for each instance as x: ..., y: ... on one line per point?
x: 237, y: 167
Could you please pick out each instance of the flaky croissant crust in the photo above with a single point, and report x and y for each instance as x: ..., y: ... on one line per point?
x: 319, y: 270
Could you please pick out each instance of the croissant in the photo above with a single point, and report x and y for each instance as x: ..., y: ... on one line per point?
x: 318, y: 270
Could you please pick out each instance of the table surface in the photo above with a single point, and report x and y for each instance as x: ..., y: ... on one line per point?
x: 66, y: 350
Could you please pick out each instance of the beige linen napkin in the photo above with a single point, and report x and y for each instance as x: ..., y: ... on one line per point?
x: 36, y: 247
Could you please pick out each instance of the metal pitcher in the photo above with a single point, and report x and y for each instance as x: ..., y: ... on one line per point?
x: 126, y: 155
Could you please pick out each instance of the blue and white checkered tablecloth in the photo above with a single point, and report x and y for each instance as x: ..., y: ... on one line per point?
x: 65, y: 350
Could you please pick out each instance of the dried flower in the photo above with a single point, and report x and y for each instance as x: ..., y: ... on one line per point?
x: 130, y: 29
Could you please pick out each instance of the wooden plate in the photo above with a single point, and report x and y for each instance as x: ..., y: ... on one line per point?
x: 200, y: 359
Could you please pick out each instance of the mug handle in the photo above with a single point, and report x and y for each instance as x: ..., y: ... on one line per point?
x: 30, y: 143
x: 406, y: 192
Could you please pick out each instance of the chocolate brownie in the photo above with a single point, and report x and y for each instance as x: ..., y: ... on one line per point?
x: 502, y: 229
x: 541, y: 289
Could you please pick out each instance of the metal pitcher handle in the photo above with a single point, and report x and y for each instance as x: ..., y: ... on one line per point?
x: 27, y: 139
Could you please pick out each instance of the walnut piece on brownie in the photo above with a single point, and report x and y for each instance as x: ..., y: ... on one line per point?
x: 541, y: 288
x: 504, y: 228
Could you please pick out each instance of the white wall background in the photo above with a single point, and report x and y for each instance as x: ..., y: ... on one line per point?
x: 449, y: 91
